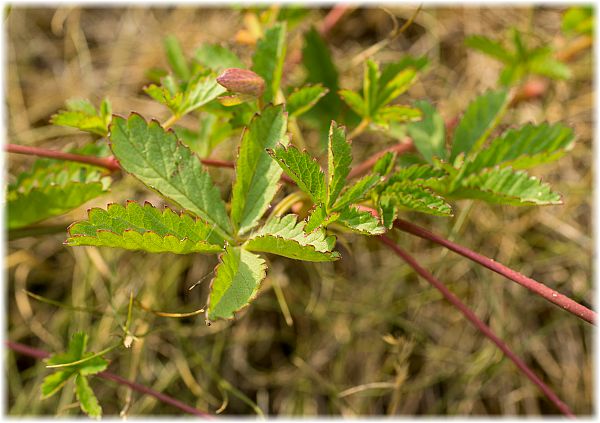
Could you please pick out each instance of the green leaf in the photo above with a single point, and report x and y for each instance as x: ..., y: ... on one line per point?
x: 505, y: 186
x: 318, y: 217
x: 217, y: 58
x: 480, y: 118
x: 268, y: 59
x: 523, y: 148
x: 579, y: 20
x: 429, y: 135
x: 257, y: 175
x: 160, y: 161
x: 176, y: 57
x: 55, y: 382
x: 388, y: 114
x: 389, y: 90
x: 304, y: 98
x: 50, y: 189
x: 355, y: 101
x: 144, y: 228
x: 87, y: 400
x: 303, y: 169
x: 81, y: 114
x: 385, y: 164
x: 320, y: 68
x: 361, y: 222
x: 490, y: 47
x: 511, y: 75
x: 357, y: 191
x: 237, y: 279
x: 288, y: 248
x: 287, y: 227
x: 550, y: 67
x: 339, y: 158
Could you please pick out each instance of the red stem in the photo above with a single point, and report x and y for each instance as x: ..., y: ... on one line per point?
x: 333, y: 17
x: 40, y: 354
x: 109, y: 163
x: 362, y: 168
x: 534, y: 286
x: 482, y: 327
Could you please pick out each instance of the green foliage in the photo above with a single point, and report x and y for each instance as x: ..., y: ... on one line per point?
x: 82, y: 114
x: 217, y: 58
x: 84, y: 364
x: 176, y: 58
x: 52, y: 188
x: 159, y: 160
x: 578, y: 20
x: 380, y: 88
x: 303, y: 99
x: 257, y: 175
x: 520, y: 61
x: 429, y: 134
x: 146, y: 228
x: 268, y: 60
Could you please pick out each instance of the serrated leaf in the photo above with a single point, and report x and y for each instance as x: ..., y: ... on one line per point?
x: 50, y: 189
x: 357, y: 191
x: 93, y: 365
x: 81, y: 114
x: 55, y: 382
x: 176, y: 58
x: 304, y: 98
x: 339, y: 158
x: 506, y: 186
x: 217, y: 58
x: 385, y: 164
x: 144, y: 228
x: 480, y: 118
x: 257, y: 175
x: 388, y: 114
x: 237, y: 279
x: 268, y: 59
x: 287, y: 227
x: 319, y: 217
x: 361, y: 222
x: 87, y: 400
x: 355, y: 101
x: 490, y: 47
x: 523, y: 148
x: 410, y: 196
x: 429, y: 134
x: 303, y: 170
x: 288, y: 248
x: 159, y: 160
x: 388, y: 90
x: 371, y: 87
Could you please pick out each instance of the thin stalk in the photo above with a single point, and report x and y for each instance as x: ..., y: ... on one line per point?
x: 360, y: 128
x: 40, y: 354
x: 169, y: 122
x: 83, y: 360
x: 534, y: 286
x: 109, y: 163
x: 482, y: 327
x: 364, y: 167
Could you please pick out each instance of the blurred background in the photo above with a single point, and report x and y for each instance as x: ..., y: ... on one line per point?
x: 361, y: 336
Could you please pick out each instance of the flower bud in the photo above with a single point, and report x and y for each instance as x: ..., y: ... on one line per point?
x: 242, y: 81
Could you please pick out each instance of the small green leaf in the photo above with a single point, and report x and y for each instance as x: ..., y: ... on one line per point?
x: 55, y: 382
x: 81, y: 114
x: 490, y: 47
x: 579, y: 20
x: 550, y: 67
x: 268, y: 59
x: 176, y: 57
x: 339, y: 159
x: 361, y: 222
x: 480, y: 118
x: 237, y: 279
x: 355, y: 101
x: 385, y: 164
x: 506, y: 186
x: 318, y: 217
x: 288, y: 248
x: 389, y: 90
x: 87, y: 400
x: 357, y: 192
x: 523, y: 148
x: 429, y: 135
x: 257, y: 174
x: 217, y: 58
x: 144, y: 228
x: 159, y: 160
x: 304, y: 98
x: 388, y: 114
x: 303, y: 170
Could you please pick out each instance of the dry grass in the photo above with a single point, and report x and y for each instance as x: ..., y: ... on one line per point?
x: 368, y: 336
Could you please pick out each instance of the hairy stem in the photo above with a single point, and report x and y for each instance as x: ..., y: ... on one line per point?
x: 534, y: 286
x: 40, y: 354
x: 482, y: 327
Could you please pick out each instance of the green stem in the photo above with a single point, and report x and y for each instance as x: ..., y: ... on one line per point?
x: 169, y: 122
x: 83, y: 360
x: 360, y: 128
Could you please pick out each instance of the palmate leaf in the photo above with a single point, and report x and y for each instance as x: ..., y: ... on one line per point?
x: 523, y: 148
x: 237, y: 279
x: 506, y: 186
x: 145, y: 228
x: 50, y: 189
x: 304, y: 98
x: 257, y: 175
x: 429, y: 134
x: 81, y: 114
x: 303, y: 169
x: 480, y: 118
x: 160, y: 161
x: 268, y: 59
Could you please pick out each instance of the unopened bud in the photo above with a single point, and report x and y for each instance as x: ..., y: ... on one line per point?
x: 242, y: 81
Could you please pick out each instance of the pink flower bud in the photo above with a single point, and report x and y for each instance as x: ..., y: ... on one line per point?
x: 242, y: 81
